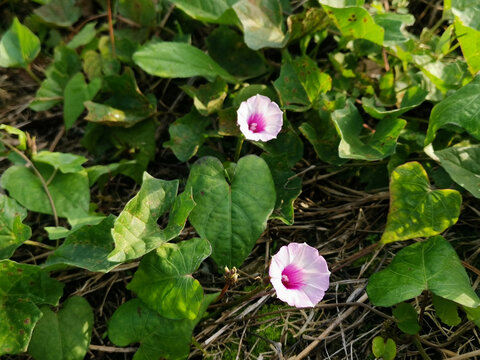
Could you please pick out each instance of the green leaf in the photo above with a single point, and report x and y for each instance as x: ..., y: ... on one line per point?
x: 164, y: 279
x: 87, y: 247
x: 304, y: 24
x: 459, y: 109
x: 187, y: 134
x: 207, y: 98
x: 262, y: 22
x: 65, y: 162
x: 407, y: 318
x: 355, y: 22
x: 300, y: 83
x: 22, y: 137
x: 76, y: 92
x: 468, y: 11
x: 70, y: 192
x: 211, y: 11
x: 469, y: 40
x: 178, y: 60
x: 394, y: 27
x: 232, y: 217
x: 159, y: 337
x: 377, y: 146
x: 412, y: 98
x: 446, y: 310
x: 415, y: 209
x: 22, y: 288
x: 65, y: 64
x: 12, y: 232
x: 462, y: 164
x: 63, y: 335
x: 85, y: 35
x: 228, y: 49
x: 136, y: 232
x: 62, y: 13
x: 428, y: 265
x: 385, y: 349
x: 142, y: 12
x: 18, y: 46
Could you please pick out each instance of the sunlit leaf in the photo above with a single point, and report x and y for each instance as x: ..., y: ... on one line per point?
x: 469, y: 40
x: 178, y: 60
x: 468, y: 11
x: 262, y: 23
x: 22, y: 288
x: 65, y: 334
x: 415, y: 209
x: 428, y: 265
x: 394, y: 26
x: 384, y: 348
x: 136, y: 232
x: 12, y: 231
x: 164, y: 279
x: 18, y: 46
x: 231, y: 216
x: 65, y: 162
x: 208, y: 98
x: 211, y: 11
x: 159, y: 337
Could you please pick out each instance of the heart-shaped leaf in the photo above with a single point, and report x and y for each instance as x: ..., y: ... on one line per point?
x: 460, y: 109
x: 63, y: 335
x: 446, y: 310
x: 22, y: 288
x: 87, y: 248
x: 428, y: 265
x: 136, y: 232
x: 211, y: 11
x: 12, y: 232
x: 232, y: 217
x: 415, y: 209
x: 164, y: 279
x: 65, y: 162
x: 407, y: 318
x: 62, y: 13
x: 159, y: 337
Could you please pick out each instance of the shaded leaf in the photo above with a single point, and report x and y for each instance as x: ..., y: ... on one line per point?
x: 304, y: 24
x: 428, y: 265
x: 18, y: 46
x: 164, y: 279
x: 142, y: 12
x: 407, y: 318
x: 159, y: 337
x: 62, y: 13
x: 232, y: 217
x: 22, y: 288
x: 187, y: 134
x: 63, y: 335
x: 211, y: 11
x: 136, y: 232
x: 12, y: 231
x: 262, y: 23
x: 178, y: 60
x: 86, y: 247
x: 85, y: 35
x: 446, y: 310
x: 415, y: 209
x: 207, y: 98
x: 459, y: 109
x: 76, y: 92
x: 377, y: 146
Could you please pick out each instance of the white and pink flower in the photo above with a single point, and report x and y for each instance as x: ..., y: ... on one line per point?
x: 299, y: 275
x: 259, y: 118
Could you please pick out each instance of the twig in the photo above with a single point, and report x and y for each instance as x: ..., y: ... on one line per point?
x: 469, y: 355
x: 328, y: 330
x: 112, y: 349
x: 42, y: 180
x: 39, y: 244
x: 110, y: 27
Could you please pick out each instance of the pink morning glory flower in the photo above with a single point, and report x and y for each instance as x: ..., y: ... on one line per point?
x: 299, y: 275
x: 259, y: 118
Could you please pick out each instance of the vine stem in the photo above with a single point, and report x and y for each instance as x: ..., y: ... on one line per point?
x: 42, y: 180
x: 110, y: 27
x: 238, y: 149
x: 28, y: 69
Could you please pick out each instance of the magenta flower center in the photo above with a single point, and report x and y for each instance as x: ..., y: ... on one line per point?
x: 292, y: 277
x: 256, y: 123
